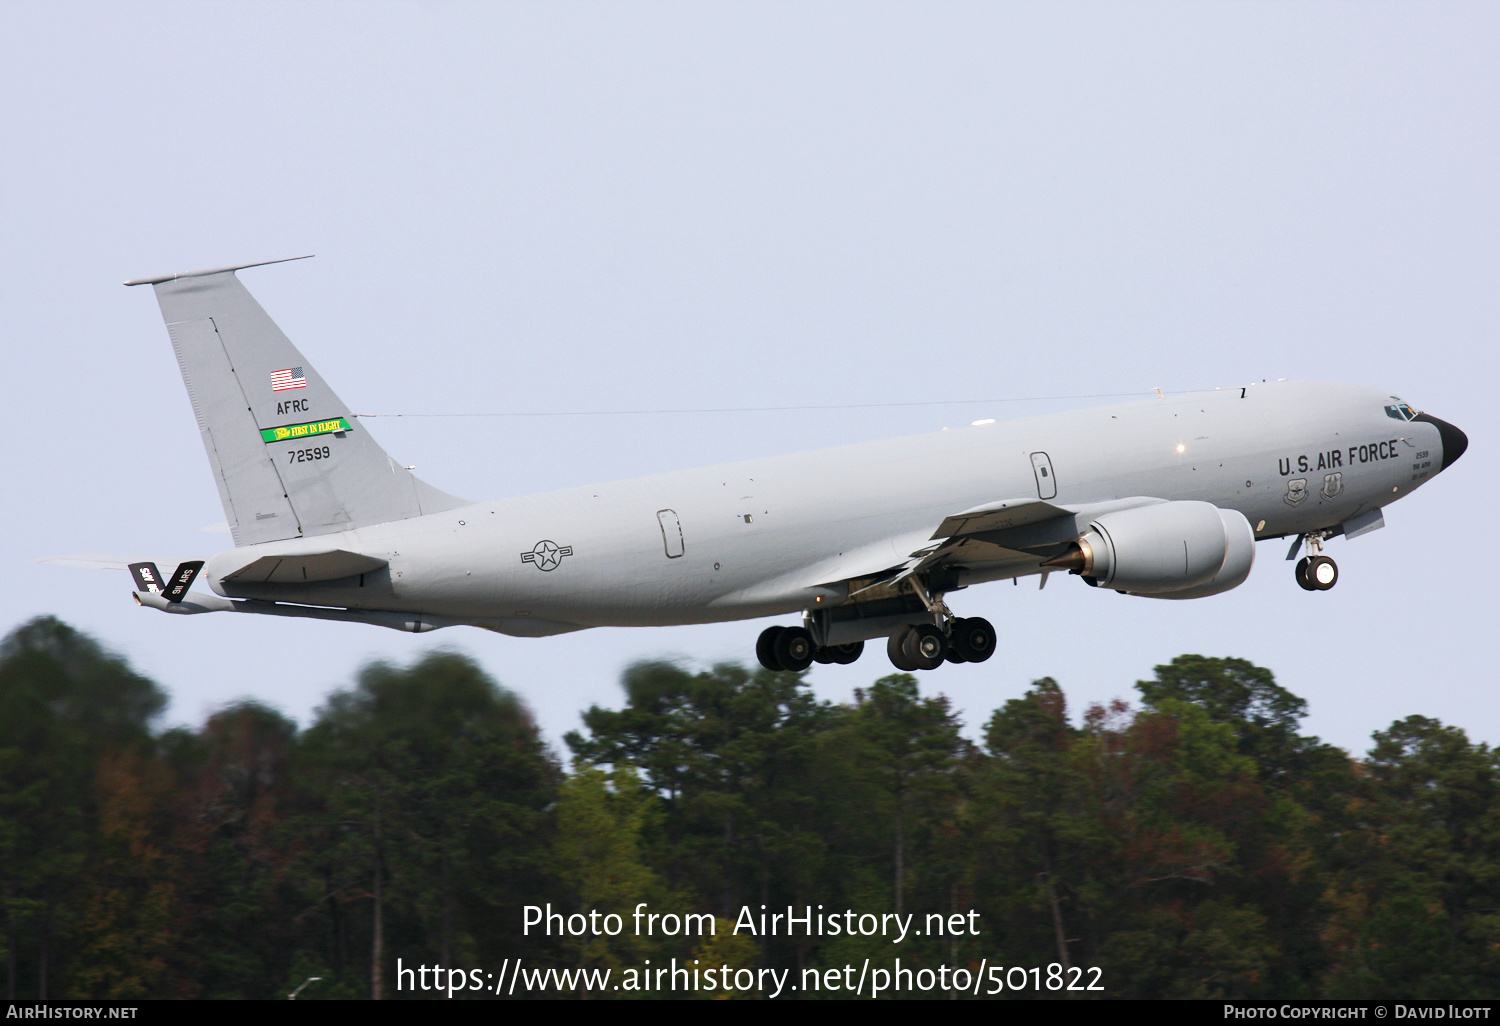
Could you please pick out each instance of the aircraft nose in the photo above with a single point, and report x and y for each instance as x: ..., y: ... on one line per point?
x: 1454, y: 440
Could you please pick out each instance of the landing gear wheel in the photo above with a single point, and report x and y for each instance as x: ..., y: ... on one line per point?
x: 1301, y: 575
x: 794, y: 649
x: 973, y: 638
x: 1322, y: 573
x: 895, y: 647
x: 765, y: 647
x: 825, y: 655
x: 846, y: 654
x: 925, y: 647
x: 954, y: 655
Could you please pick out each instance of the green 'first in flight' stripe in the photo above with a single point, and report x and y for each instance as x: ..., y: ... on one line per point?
x: 315, y: 427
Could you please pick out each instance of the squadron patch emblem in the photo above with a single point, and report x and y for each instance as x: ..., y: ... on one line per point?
x: 1333, y: 484
x: 1296, y: 491
x: 547, y: 555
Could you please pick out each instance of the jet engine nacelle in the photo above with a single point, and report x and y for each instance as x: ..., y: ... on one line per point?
x: 1167, y: 550
x: 1239, y: 537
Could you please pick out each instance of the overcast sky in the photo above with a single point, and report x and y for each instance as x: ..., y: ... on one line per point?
x: 534, y: 208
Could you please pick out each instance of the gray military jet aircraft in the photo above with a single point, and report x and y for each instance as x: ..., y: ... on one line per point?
x: 1162, y: 498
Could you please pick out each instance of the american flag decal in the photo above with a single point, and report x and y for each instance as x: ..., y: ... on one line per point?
x: 292, y: 377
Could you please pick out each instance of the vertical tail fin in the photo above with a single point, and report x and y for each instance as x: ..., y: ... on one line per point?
x: 286, y: 455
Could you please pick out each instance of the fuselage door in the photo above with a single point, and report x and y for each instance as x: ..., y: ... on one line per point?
x: 671, y: 532
x: 1046, y: 481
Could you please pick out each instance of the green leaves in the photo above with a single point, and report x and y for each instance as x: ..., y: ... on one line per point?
x: 1198, y: 846
x: 68, y: 711
x: 602, y: 820
x: 427, y: 788
x: 1418, y: 888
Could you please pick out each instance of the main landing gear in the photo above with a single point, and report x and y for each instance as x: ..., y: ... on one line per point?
x: 924, y: 646
x: 921, y: 646
x: 914, y: 646
x: 792, y: 648
x: 1315, y: 571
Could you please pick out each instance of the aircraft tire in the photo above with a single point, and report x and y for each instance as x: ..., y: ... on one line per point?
x: 1322, y: 572
x: 794, y: 649
x: 765, y: 647
x: 825, y: 655
x: 895, y: 647
x: 973, y: 637
x: 846, y: 654
x: 1303, y: 581
x: 925, y: 647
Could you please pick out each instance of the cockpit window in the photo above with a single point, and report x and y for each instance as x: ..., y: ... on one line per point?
x: 1400, y: 411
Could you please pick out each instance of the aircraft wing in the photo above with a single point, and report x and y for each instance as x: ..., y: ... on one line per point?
x: 972, y: 537
x: 995, y: 533
x: 998, y: 516
x: 980, y: 535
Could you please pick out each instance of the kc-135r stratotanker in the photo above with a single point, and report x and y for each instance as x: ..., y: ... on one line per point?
x: 1164, y: 497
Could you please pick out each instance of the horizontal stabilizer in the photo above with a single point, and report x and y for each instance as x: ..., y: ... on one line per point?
x: 304, y: 566
x: 95, y: 561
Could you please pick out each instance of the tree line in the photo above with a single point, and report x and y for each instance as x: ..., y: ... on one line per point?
x: 1192, y: 844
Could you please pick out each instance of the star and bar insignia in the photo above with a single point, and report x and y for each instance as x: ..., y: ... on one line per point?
x: 547, y: 555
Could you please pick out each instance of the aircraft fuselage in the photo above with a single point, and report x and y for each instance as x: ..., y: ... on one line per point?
x: 764, y: 536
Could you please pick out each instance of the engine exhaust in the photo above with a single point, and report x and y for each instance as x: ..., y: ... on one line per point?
x: 1078, y: 558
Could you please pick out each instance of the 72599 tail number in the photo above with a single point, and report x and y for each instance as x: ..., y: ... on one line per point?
x: 320, y: 452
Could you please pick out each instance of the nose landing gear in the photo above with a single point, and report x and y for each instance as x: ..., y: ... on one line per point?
x: 1315, y: 571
